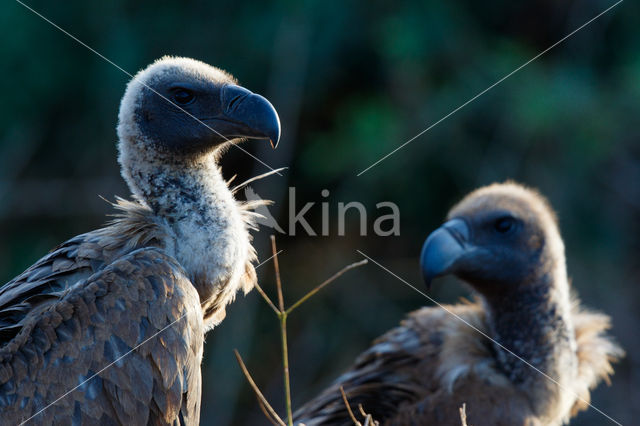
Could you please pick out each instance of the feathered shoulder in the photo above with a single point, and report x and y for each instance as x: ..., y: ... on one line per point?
x: 596, y: 352
x: 434, y: 361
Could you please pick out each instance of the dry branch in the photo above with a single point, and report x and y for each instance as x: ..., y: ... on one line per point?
x: 325, y: 283
x: 346, y: 403
x: 282, y: 315
x: 274, y: 416
x: 463, y: 414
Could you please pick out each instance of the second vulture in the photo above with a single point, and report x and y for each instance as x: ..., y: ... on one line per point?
x: 524, y: 353
x: 109, y: 327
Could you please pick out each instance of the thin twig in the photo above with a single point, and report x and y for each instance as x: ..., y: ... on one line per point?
x: 361, y: 408
x: 253, y: 179
x: 266, y: 298
x: 282, y: 317
x: 463, y: 414
x: 368, y: 418
x: 325, y: 283
x: 285, y: 367
x: 346, y: 403
x: 261, y: 397
x: 277, y: 268
x: 266, y: 413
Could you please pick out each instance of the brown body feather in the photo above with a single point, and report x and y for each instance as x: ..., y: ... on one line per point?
x: 421, y: 373
x: 82, y: 307
x: 91, y: 300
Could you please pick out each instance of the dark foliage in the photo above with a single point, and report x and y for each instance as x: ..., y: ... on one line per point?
x: 352, y: 81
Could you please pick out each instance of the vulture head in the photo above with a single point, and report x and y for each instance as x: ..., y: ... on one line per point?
x: 176, y: 118
x: 180, y: 110
x: 503, y: 240
x: 498, y: 239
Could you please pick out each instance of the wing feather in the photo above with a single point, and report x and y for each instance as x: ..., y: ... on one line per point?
x: 93, y: 327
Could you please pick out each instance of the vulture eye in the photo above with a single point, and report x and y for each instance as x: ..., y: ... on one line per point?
x: 504, y: 224
x: 183, y: 96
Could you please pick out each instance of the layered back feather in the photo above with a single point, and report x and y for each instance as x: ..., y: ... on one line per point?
x: 432, y: 363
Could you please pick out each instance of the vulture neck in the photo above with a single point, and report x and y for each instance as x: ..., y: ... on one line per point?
x: 533, y: 320
x: 206, y: 227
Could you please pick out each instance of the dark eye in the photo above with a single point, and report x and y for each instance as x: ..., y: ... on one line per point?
x: 504, y: 224
x: 183, y: 96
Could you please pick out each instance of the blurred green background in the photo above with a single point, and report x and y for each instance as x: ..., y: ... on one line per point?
x: 351, y: 81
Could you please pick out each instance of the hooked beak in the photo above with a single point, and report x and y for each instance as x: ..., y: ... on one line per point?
x: 443, y: 248
x: 247, y: 115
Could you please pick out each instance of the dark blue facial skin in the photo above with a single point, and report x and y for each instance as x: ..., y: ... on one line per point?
x: 216, y: 112
x: 493, y: 251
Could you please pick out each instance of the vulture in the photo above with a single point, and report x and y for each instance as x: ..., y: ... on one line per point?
x: 525, y: 352
x: 108, y: 328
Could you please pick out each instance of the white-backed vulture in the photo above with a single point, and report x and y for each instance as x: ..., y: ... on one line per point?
x: 502, y: 240
x: 130, y: 302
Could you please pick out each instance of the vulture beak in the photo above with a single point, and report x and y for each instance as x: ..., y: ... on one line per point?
x: 443, y: 248
x: 247, y: 115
